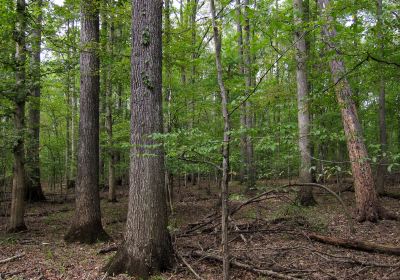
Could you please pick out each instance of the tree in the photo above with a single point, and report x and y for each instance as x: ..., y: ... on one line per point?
x: 147, y: 246
x: 225, y: 144
x: 367, y: 203
x: 305, y: 195
x: 18, y: 185
x: 381, y: 174
x: 34, y: 187
x: 86, y: 226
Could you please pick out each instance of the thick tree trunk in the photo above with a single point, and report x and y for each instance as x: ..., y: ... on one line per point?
x: 225, y: 146
x: 367, y: 203
x: 18, y: 187
x: 305, y: 195
x: 34, y: 187
x: 381, y: 174
x: 86, y: 225
x: 147, y: 247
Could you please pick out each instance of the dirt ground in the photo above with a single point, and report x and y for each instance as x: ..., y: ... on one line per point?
x: 270, y: 234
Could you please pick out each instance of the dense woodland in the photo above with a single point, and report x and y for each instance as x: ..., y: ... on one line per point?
x: 199, y: 139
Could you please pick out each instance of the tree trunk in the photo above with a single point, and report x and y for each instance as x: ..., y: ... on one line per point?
x: 34, y: 187
x: 109, y: 119
x: 18, y: 187
x: 250, y: 171
x: 242, y: 174
x: 147, y: 247
x: 225, y: 145
x: 86, y: 226
x: 381, y: 174
x: 367, y: 203
x: 305, y: 195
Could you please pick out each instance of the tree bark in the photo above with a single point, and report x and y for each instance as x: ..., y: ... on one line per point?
x: 381, y: 172
x: 109, y: 119
x: 305, y: 195
x: 34, y: 187
x: 18, y: 187
x: 225, y: 145
x: 147, y: 247
x: 250, y: 171
x: 367, y: 203
x: 86, y: 226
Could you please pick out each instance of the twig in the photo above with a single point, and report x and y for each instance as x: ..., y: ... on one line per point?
x: 12, y: 258
x: 247, y: 267
x: 190, y: 267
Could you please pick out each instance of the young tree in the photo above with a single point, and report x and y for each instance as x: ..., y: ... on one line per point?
x: 225, y: 144
x: 147, y: 247
x: 305, y: 195
x: 381, y: 174
x: 34, y: 187
x: 86, y: 226
x: 18, y: 185
x: 367, y: 203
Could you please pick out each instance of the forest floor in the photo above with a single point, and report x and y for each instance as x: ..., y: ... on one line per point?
x: 270, y: 234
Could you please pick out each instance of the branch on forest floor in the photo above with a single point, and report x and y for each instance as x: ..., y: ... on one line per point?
x: 355, y: 244
x: 107, y: 250
x: 264, y: 272
x: 189, y: 267
x: 12, y: 258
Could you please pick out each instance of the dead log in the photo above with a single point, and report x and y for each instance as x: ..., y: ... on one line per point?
x: 264, y: 272
x: 356, y: 244
x: 12, y: 258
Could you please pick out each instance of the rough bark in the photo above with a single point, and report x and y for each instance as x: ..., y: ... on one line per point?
x: 86, y: 225
x: 305, y: 195
x: 367, y: 203
x: 18, y: 186
x: 225, y: 145
x: 147, y: 248
x: 381, y: 172
x: 34, y: 188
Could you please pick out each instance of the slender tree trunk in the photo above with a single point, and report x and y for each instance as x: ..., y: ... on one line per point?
x: 381, y: 174
x: 86, y: 226
x: 250, y: 171
x: 34, y: 187
x: 109, y: 119
x: 305, y: 195
x: 225, y: 145
x: 69, y: 140
x: 243, y: 138
x: 147, y: 247
x: 18, y: 187
x: 367, y: 203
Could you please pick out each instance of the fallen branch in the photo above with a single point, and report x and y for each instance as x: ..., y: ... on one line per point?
x: 356, y: 244
x: 12, y: 258
x: 108, y: 250
x: 244, y: 266
x: 190, y: 267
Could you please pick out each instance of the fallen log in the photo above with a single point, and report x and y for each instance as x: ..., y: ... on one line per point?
x: 12, y: 258
x: 264, y: 272
x: 356, y: 244
x: 107, y: 250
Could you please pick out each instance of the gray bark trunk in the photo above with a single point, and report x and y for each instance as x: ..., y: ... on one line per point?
x: 86, y: 226
x: 34, y: 187
x: 225, y: 145
x: 147, y: 247
x: 305, y: 195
